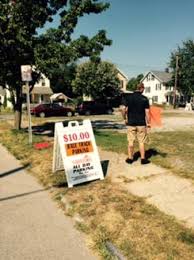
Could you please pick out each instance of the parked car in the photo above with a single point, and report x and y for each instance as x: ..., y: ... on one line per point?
x: 94, y: 107
x: 54, y: 109
x: 181, y: 104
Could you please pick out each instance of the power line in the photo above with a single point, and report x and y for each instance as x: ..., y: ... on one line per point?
x: 139, y: 66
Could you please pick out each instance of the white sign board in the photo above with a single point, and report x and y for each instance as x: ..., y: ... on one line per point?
x: 75, y: 151
x: 26, y: 71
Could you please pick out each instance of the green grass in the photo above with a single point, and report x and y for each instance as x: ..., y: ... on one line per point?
x: 137, y: 229
x: 174, y: 150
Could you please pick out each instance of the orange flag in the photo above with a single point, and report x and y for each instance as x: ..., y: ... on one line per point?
x: 155, y: 116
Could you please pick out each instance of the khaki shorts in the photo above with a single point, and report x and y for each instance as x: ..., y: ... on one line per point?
x: 139, y: 132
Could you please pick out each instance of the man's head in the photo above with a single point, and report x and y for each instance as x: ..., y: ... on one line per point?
x: 140, y: 87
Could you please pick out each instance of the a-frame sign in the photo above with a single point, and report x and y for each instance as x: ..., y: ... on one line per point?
x: 76, y: 152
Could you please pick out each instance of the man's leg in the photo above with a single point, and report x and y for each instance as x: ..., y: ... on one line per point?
x: 142, y: 150
x: 131, y: 133
x: 130, y: 152
x: 142, y: 138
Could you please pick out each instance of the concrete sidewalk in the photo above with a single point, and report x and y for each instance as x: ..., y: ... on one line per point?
x: 171, y: 194
x: 31, y: 225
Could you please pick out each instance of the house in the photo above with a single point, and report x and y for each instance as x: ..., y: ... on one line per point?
x: 123, y: 80
x: 41, y: 92
x: 156, y: 87
x: 5, y: 97
x: 2, y: 94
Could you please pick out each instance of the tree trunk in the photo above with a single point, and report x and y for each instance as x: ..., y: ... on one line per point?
x: 18, y: 108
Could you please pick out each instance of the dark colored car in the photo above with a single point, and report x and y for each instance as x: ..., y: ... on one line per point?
x: 181, y: 104
x: 54, y: 109
x: 94, y: 108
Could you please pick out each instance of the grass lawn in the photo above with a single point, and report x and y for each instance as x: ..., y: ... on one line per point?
x: 173, y: 150
x: 139, y: 230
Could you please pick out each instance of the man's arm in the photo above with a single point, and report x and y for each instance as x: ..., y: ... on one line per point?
x: 147, y: 117
x: 124, y: 113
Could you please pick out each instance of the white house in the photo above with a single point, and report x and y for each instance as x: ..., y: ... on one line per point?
x: 5, y: 96
x: 156, y: 88
x: 40, y: 93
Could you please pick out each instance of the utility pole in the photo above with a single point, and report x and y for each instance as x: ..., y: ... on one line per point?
x: 175, y: 81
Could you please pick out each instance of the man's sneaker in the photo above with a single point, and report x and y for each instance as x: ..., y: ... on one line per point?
x: 129, y: 161
x: 145, y: 161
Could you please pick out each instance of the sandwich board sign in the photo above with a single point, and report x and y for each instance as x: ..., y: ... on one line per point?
x: 76, y: 152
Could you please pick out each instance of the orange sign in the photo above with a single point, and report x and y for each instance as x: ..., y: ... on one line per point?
x: 78, y: 148
x: 155, y: 116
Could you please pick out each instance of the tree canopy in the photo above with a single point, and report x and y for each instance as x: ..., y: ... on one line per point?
x: 133, y: 82
x: 20, y: 44
x: 61, y: 80
x: 97, y: 80
x: 185, y: 67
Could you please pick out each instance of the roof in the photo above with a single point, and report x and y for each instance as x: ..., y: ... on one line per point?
x: 162, y: 76
x: 122, y: 73
x: 40, y: 91
x: 58, y: 96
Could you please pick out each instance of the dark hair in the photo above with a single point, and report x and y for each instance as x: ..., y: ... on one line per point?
x: 140, y: 86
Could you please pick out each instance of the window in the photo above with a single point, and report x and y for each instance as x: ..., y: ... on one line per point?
x: 147, y: 89
x: 43, y: 83
x: 168, y: 88
x: 158, y: 86
x: 149, y: 77
x: 155, y: 98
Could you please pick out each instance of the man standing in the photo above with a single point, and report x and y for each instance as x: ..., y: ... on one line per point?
x: 136, y: 115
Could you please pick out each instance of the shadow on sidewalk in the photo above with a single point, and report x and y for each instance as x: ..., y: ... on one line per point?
x: 23, y: 194
x: 149, y: 153
x: 14, y: 170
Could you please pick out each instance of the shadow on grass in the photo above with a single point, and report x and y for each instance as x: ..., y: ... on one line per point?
x: 104, y: 165
x: 107, y: 124
x: 47, y: 129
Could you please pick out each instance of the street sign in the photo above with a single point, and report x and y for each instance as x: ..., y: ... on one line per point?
x: 75, y: 151
x: 26, y: 71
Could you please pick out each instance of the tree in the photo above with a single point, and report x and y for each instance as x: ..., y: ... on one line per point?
x: 133, y: 82
x: 20, y: 44
x: 185, y: 67
x: 61, y: 79
x: 96, y: 79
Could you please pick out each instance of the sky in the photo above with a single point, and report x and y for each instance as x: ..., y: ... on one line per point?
x: 144, y: 32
